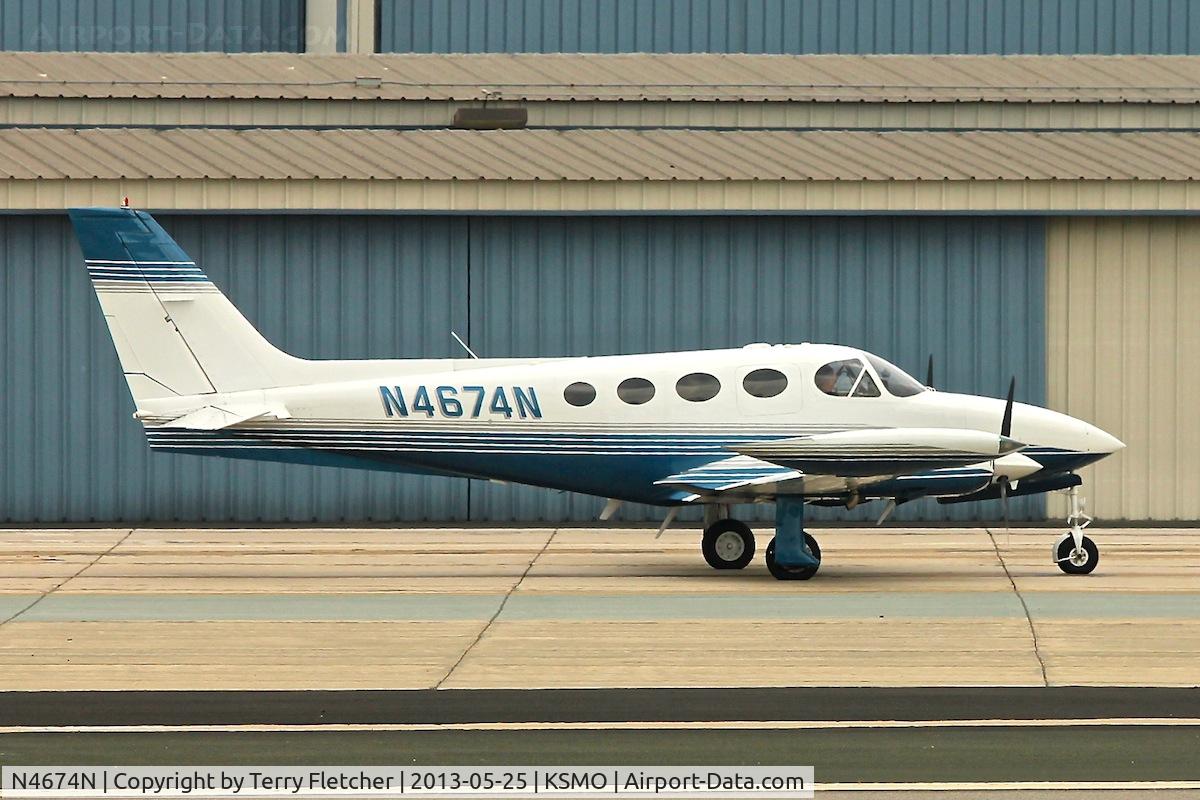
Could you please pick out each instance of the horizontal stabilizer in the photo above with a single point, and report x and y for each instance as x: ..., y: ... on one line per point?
x: 214, y: 418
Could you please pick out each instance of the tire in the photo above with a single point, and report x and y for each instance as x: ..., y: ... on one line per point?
x: 1084, y: 563
x: 728, y: 544
x: 782, y: 573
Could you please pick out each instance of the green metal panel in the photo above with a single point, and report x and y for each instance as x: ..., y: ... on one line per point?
x: 791, y: 26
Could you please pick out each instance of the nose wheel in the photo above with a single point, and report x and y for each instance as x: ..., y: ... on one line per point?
x: 728, y: 544
x: 1076, y: 560
x: 1075, y: 553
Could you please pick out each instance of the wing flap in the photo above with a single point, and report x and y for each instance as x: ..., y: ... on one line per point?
x: 728, y: 474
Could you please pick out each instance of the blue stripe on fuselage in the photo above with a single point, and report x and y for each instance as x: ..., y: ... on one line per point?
x: 619, y: 464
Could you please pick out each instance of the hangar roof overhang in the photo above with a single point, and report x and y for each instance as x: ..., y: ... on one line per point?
x: 602, y: 90
x: 601, y: 171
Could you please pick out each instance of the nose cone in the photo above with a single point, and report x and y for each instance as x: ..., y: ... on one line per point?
x: 1102, y: 442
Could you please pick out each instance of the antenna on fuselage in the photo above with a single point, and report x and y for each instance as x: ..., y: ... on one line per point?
x: 470, y: 352
x: 929, y: 372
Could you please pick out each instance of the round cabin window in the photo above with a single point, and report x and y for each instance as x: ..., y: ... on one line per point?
x: 579, y: 393
x: 764, y: 382
x: 698, y: 387
x: 635, y: 391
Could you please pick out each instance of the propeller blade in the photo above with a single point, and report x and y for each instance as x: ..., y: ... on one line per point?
x: 929, y: 371
x: 1006, y: 423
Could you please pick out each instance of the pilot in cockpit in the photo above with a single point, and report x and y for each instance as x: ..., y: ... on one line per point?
x: 826, y: 379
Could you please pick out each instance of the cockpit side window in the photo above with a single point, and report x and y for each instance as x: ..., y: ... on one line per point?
x: 866, y: 386
x: 898, y: 382
x: 846, y: 378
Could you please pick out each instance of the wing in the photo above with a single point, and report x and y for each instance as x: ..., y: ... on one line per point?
x: 882, y: 451
x: 743, y: 479
x: 849, y: 462
x: 728, y: 474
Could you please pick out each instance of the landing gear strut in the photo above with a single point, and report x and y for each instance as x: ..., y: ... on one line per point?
x: 1075, y: 553
x: 793, y: 555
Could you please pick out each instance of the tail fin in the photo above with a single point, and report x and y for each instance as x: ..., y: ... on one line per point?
x: 174, y: 331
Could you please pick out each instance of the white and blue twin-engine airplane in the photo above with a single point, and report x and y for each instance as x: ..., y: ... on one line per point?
x: 789, y: 424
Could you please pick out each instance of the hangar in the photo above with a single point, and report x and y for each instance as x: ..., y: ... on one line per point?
x: 1010, y: 214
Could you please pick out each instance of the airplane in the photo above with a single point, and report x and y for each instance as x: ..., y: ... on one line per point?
x: 792, y: 425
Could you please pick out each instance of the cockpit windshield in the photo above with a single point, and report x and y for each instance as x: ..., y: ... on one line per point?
x: 895, y: 380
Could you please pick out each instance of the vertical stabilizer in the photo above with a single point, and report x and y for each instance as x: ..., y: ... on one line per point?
x: 175, y: 332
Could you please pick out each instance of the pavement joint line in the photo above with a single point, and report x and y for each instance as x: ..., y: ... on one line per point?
x: 66, y: 580
x: 1037, y: 653
x: 432, y: 727
x: 499, y: 609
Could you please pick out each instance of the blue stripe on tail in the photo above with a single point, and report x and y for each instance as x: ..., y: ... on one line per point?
x: 122, y: 244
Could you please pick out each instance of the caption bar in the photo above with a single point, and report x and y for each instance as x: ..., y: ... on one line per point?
x: 431, y: 782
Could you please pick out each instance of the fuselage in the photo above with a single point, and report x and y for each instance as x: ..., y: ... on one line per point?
x: 615, y: 426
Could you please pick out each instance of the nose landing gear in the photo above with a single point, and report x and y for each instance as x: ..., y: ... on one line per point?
x: 1075, y: 553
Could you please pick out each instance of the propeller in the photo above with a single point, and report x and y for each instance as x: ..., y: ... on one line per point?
x: 1006, y: 422
x: 1005, y: 433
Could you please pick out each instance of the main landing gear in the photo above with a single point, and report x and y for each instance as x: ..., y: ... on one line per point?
x: 793, y: 555
x: 1075, y: 553
x: 727, y: 543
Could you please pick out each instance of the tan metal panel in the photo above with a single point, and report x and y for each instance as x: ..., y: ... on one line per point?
x: 748, y: 114
x: 630, y: 76
x: 1136, y: 160
x: 1123, y: 342
x: 599, y: 196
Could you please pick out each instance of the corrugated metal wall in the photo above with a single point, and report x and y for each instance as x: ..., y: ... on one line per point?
x: 231, y: 26
x: 969, y: 289
x: 791, y: 26
x: 1123, y: 349
x: 321, y: 286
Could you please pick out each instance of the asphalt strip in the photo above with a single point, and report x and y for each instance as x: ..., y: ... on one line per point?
x: 591, y: 706
x: 755, y: 725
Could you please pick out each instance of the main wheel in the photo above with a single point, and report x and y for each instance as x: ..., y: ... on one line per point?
x: 794, y: 573
x: 1079, y: 561
x: 728, y: 544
